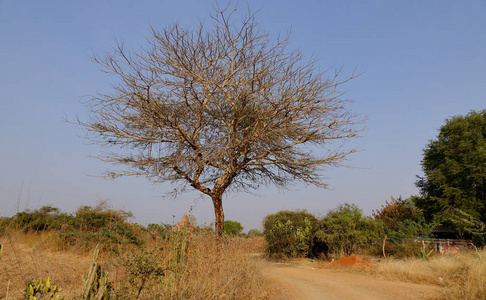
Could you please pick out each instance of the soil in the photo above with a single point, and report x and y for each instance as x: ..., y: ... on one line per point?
x: 308, y: 280
x: 349, y: 261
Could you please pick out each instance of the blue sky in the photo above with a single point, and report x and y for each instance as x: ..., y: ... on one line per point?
x: 420, y: 63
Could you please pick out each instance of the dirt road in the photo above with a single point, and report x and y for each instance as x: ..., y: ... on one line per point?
x: 301, y: 280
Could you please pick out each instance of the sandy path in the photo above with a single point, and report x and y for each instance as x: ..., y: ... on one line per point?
x: 303, y: 281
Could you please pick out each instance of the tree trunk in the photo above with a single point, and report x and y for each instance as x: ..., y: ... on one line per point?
x: 219, y: 214
x: 384, y: 244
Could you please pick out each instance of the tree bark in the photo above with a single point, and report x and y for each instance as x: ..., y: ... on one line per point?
x: 384, y: 244
x: 219, y: 214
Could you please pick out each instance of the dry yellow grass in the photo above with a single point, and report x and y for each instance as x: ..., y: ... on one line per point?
x: 250, y: 245
x: 463, y: 275
x: 30, y: 257
x: 225, y: 271
x: 211, y: 270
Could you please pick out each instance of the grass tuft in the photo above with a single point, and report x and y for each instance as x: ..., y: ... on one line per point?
x: 463, y: 275
x: 170, y: 267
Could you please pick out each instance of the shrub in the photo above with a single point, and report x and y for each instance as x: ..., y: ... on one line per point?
x: 345, y: 230
x: 466, y: 225
x: 254, y: 233
x: 161, y: 230
x: 403, y: 223
x: 232, y: 228
x: 290, y: 233
x: 404, y: 240
x: 45, y: 218
x: 86, y: 218
x: 95, y: 218
x: 396, y: 210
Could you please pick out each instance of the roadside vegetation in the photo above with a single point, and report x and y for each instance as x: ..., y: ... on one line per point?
x: 463, y: 275
x: 396, y: 229
x: 452, y: 202
x: 48, y: 254
x: 96, y: 254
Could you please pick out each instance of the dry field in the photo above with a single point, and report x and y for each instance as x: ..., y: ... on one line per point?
x: 32, y: 256
x: 462, y: 275
x: 158, y: 270
x: 204, y: 269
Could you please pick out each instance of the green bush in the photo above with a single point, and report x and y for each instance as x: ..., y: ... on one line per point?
x: 161, y: 230
x: 45, y: 218
x: 404, y: 225
x: 345, y: 230
x: 290, y: 233
x: 397, y: 210
x: 232, y: 228
x: 405, y: 239
x: 466, y: 225
x: 95, y: 218
x: 86, y: 219
x: 86, y: 228
x: 254, y: 233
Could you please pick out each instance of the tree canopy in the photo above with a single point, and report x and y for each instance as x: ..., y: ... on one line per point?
x: 345, y: 229
x: 397, y: 210
x: 290, y: 233
x: 454, y: 167
x: 220, y: 107
x: 232, y: 228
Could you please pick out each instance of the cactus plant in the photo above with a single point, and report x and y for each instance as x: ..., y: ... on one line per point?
x: 96, y: 285
x: 42, y: 289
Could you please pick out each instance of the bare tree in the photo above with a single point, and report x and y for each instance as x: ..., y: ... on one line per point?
x: 220, y: 108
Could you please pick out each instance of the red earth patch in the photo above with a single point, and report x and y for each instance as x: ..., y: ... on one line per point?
x: 348, y: 261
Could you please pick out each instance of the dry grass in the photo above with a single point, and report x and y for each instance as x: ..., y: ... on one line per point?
x: 463, y: 275
x: 30, y: 257
x: 223, y: 271
x: 251, y: 245
x: 210, y: 270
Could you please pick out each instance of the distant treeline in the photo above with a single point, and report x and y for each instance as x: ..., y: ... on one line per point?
x: 394, y: 229
x: 89, y: 225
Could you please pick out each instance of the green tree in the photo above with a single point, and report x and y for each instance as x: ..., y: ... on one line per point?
x: 403, y: 222
x: 397, y: 210
x: 454, y: 166
x: 290, y: 233
x: 254, y: 233
x: 221, y: 107
x: 232, y: 228
x: 466, y: 225
x: 345, y: 229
